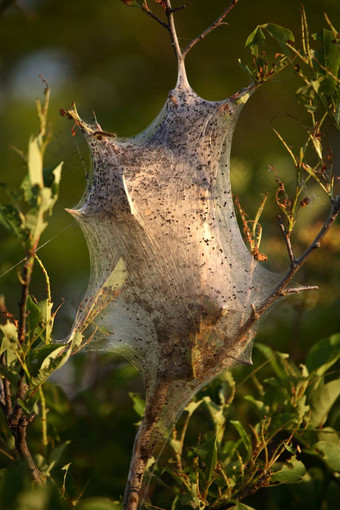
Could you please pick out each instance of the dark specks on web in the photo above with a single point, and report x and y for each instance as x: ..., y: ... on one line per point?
x: 171, y: 278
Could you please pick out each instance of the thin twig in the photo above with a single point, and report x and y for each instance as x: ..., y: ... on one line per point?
x: 215, y: 24
x: 288, y: 242
x: 26, y: 278
x: 298, y: 290
x: 7, y: 454
x: 2, y: 396
x: 22, y: 448
x: 6, y: 388
x: 153, y: 16
x: 181, y: 7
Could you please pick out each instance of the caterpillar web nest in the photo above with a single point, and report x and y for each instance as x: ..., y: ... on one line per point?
x: 172, y: 282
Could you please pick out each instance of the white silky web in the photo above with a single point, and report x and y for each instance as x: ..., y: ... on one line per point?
x: 172, y: 281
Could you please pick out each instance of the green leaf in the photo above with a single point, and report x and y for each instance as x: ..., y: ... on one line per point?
x: 261, y: 409
x: 37, y: 355
x: 275, y: 359
x: 281, y: 34
x: 57, y: 452
x: 118, y: 277
x: 33, y: 315
x: 240, y: 506
x: 35, y: 163
x: 217, y: 416
x: 10, y: 331
x: 211, y: 457
x: 138, y: 403
x: 12, y: 374
x: 243, y: 435
x: 192, y: 406
x: 36, y: 217
x: 291, y: 472
x: 98, y: 504
x: 227, y: 450
x: 329, y: 452
x: 192, y: 499
x: 175, y: 444
x: 327, y: 434
x: 29, y: 194
x: 52, y: 180
x: 245, y: 68
x: 322, y: 400
x: 5, y: 344
x: 328, y: 55
x: 54, y: 360
x: 285, y: 421
x: 25, y: 406
x: 47, y: 318
x: 45, y: 307
x: 255, y: 39
x: 301, y: 408
x: 13, y: 219
x: 323, y: 355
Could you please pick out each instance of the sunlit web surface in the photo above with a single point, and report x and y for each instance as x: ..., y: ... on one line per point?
x: 171, y: 279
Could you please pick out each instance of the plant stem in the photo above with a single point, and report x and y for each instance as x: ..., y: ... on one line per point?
x: 218, y: 22
x: 144, y: 446
x: 22, y: 448
x: 26, y: 280
x: 172, y: 30
x: 153, y: 16
x: 43, y: 417
x: 17, y: 420
x: 150, y: 439
x: 296, y: 264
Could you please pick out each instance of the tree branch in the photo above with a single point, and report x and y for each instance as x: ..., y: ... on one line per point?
x: 218, y: 22
x: 288, y: 242
x: 172, y: 29
x: 281, y: 288
x: 6, y: 389
x: 153, y: 16
x: 184, y: 6
x: 22, y: 448
x: 298, y: 290
x: 17, y: 420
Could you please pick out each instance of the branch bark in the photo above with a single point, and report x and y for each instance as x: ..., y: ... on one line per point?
x: 19, y: 432
x: 173, y: 33
x: 146, y: 442
x: 17, y: 420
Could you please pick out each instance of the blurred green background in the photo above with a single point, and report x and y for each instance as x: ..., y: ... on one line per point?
x: 113, y: 59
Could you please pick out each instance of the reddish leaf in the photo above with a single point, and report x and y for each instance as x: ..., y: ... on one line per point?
x: 129, y: 2
x: 162, y: 3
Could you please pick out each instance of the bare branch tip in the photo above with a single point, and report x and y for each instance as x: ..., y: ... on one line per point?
x: 218, y: 22
x: 254, y: 313
x: 298, y: 290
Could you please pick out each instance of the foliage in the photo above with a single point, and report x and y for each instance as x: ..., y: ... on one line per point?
x: 28, y: 356
x: 319, y: 71
x: 272, y: 425
x: 287, y: 428
x: 276, y: 415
